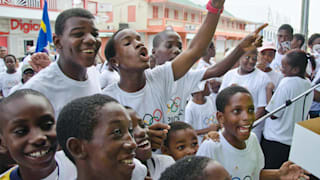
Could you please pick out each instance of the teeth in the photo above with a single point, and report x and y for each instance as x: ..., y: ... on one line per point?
x: 144, y: 143
x: 39, y: 153
x: 88, y: 51
x: 127, y: 161
x: 244, y: 130
x: 248, y: 126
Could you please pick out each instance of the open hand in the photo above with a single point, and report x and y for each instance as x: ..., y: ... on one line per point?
x: 291, y: 171
x: 253, y: 40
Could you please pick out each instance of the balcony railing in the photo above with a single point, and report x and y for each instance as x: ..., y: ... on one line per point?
x: 32, y: 4
x: 179, y: 25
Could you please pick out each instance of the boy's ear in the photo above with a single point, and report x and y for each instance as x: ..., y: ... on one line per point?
x: 3, y: 147
x: 114, y: 62
x: 153, y: 51
x: 76, y: 148
x: 56, y: 41
x: 296, y: 70
x: 220, y: 117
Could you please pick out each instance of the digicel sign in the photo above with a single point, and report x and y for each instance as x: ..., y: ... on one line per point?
x: 24, y: 26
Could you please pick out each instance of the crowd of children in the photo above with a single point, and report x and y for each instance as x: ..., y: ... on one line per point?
x: 70, y: 120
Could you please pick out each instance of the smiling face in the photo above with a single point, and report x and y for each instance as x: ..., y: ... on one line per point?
x: 283, y: 36
x: 131, y: 54
x: 28, y: 132
x: 143, y: 151
x: 111, y: 150
x: 237, y: 119
x: 169, y: 48
x: 182, y: 143
x: 248, y: 62
x: 266, y: 56
x: 79, y: 42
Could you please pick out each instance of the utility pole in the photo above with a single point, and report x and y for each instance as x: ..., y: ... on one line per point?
x: 305, y: 20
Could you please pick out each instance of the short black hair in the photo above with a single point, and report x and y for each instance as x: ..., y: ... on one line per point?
x: 224, y: 96
x: 79, y: 118
x: 312, y: 38
x: 18, y: 95
x: 286, y: 27
x: 10, y: 55
x: 299, y: 58
x: 299, y: 37
x: 160, y: 37
x: 110, y: 50
x: 67, y: 14
x: 175, y: 126
x: 187, y: 168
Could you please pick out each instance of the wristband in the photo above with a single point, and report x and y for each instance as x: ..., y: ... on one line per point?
x: 213, y: 10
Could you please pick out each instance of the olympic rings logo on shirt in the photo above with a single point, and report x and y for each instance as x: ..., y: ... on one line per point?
x: 174, y: 106
x: 156, y: 116
x: 245, y: 178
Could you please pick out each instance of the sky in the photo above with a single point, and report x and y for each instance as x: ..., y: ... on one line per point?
x: 282, y: 11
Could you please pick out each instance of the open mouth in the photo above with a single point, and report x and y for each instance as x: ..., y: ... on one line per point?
x: 40, y: 153
x: 144, y: 144
x: 245, y: 129
x: 89, y: 51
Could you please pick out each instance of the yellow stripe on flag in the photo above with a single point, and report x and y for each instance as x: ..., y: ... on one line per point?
x: 43, y: 26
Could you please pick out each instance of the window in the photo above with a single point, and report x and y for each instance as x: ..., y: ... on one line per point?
x: 131, y: 13
x: 110, y: 17
x: 155, y: 12
x: 166, y: 13
x: 193, y: 17
x: 176, y: 14
x: 185, y: 16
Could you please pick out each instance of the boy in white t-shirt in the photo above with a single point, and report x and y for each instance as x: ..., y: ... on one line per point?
x: 10, y: 77
x: 201, y: 111
x: 239, y: 150
x: 94, y: 132
x: 279, y: 128
x: 166, y: 46
x: 256, y: 81
x: 28, y: 134
x: 73, y: 74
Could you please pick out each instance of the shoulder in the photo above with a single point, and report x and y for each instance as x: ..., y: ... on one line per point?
x: 6, y: 175
x: 163, y: 159
x: 112, y: 88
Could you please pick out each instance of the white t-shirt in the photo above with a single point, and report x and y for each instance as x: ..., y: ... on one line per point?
x: 150, y: 101
x: 276, y: 63
x: 256, y: 82
x: 202, y: 64
x: 240, y: 163
x: 60, y: 89
x: 139, y: 171
x: 108, y: 77
x: 315, y: 105
x: 201, y: 116
x: 157, y: 164
x: 15, y: 88
x: 3, y: 67
x: 275, y: 77
x: 7, y: 81
x: 281, y: 129
x: 181, y: 92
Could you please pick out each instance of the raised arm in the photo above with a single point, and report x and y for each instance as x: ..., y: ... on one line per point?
x: 199, y: 43
x: 250, y: 42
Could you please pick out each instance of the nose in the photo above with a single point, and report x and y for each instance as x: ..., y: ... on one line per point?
x: 38, y: 138
x: 139, y: 132
x: 129, y: 144
x: 191, y: 151
x: 89, y: 38
x: 138, y: 44
x: 176, y: 51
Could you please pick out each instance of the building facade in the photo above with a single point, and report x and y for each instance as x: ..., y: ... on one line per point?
x: 20, y: 20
